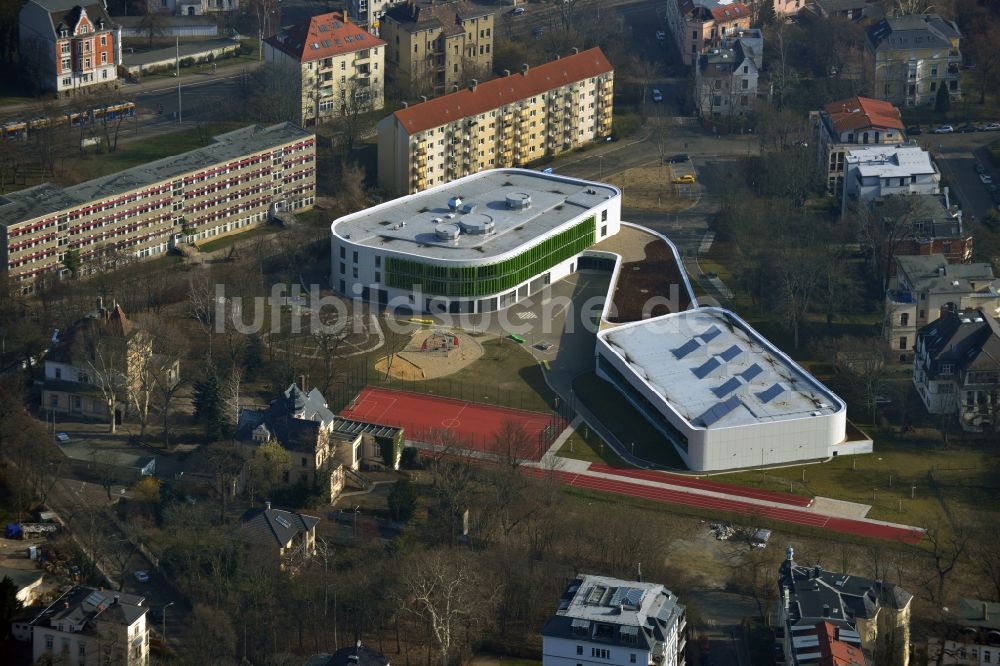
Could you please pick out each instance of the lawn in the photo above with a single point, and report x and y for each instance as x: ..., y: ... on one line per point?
x: 583, y: 444
x: 627, y: 424
x: 506, y: 375
x: 940, y: 479
x: 649, y: 188
x: 227, y: 241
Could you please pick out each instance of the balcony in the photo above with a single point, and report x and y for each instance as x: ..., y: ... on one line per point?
x: 900, y: 297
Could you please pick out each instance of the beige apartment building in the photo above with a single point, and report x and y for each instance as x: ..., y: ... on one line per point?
x: 224, y: 188
x: 510, y: 121
x: 699, y: 26
x: 332, y: 65
x: 910, y: 58
x: 434, y: 46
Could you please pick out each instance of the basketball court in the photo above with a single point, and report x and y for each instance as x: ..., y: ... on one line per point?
x: 468, y: 424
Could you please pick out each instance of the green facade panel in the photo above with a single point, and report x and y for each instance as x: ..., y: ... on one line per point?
x: 487, y: 279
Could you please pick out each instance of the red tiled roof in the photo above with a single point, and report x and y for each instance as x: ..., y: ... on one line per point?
x: 859, y: 112
x: 504, y: 90
x: 323, y: 36
x: 836, y: 652
x: 732, y: 12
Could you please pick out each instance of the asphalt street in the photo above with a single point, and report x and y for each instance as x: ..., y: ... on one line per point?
x: 956, y: 156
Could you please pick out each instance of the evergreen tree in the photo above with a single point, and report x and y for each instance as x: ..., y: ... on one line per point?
x: 253, y: 357
x: 9, y: 605
x: 402, y: 500
x: 943, y: 102
x: 208, y: 406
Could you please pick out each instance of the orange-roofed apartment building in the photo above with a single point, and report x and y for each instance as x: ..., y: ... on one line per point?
x: 848, y: 123
x: 507, y: 122
x: 69, y: 46
x: 698, y: 26
x: 331, y: 66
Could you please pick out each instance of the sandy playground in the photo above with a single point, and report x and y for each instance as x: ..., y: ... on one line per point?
x: 432, y: 353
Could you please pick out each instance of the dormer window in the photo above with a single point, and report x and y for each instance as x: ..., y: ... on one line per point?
x: 64, y: 33
x: 947, y: 368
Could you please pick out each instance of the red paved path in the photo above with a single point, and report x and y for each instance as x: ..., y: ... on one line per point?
x: 474, y: 424
x: 704, y: 484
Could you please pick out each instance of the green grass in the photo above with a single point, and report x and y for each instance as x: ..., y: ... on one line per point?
x: 628, y: 425
x: 590, y: 448
x: 506, y: 375
x: 956, y: 478
x: 226, y: 241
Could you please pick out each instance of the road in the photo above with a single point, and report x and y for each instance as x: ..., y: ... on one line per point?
x: 956, y: 156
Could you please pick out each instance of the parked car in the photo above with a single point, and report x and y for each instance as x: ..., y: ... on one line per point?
x: 686, y: 179
x: 517, y: 11
x: 986, y: 178
x: 62, y: 437
x: 944, y: 129
x: 657, y: 95
x: 142, y: 576
x: 991, y: 127
x: 967, y: 128
x: 914, y: 130
x: 660, y: 35
x: 680, y: 157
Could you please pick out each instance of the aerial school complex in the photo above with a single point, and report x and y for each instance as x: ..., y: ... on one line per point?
x: 720, y: 393
x: 477, y: 244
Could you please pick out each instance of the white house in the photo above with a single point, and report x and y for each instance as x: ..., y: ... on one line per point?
x: 88, y: 627
x: 972, y: 636
x: 610, y: 622
x: 878, y: 171
x: 726, y: 78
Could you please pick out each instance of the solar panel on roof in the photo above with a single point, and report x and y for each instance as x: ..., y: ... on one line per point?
x: 710, y: 334
x: 281, y: 520
x: 629, y: 630
x: 771, y: 392
x: 751, y: 372
x: 718, y: 411
x: 685, y: 349
x: 731, y: 353
x: 702, y: 370
x: 728, y: 387
x: 94, y: 598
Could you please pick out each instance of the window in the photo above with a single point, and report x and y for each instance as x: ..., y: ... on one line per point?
x: 746, y: 84
x: 303, y: 461
x: 902, y: 343
x: 904, y: 319
x: 604, y: 230
x: 343, y: 268
x: 604, y: 215
x: 104, y: 40
x: 48, y: 641
x: 600, y: 653
x: 933, y: 86
x: 58, y: 373
x: 65, y: 48
x: 378, y: 261
x: 946, y: 368
x: 579, y: 649
x: 343, y: 252
x: 746, y: 69
x: 631, y: 658
x: 354, y: 272
x: 354, y: 256
x: 986, y: 656
x: 104, y: 58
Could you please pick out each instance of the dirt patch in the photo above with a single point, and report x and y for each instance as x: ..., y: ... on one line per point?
x: 714, y: 557
x: 433, y: 353
x: 657, y: 276
x: 649, y: 187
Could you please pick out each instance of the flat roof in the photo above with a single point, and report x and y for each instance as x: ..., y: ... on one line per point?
x: 717, y: 372
x: 16, y: 207
x: 411, y: 224
x: 888, y: 161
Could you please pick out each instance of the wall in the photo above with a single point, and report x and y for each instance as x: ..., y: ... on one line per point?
x: 563, y: 652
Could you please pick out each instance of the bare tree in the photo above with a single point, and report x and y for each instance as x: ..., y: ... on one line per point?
x: 106, y: 357
x: 947, y: 546
x: 443, y: 591
x: 981, y: 43
x: 882, y: 228
x: 153, y: 23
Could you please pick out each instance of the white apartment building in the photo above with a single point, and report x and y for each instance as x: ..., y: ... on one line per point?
x: 956, y: 369
x: 510, y: 121
x: 332, y: 65
x: 90, y: 627
x: 926, y: 286
x: 226, y: 187
x: 611, y: 622
x: 878, y: 171
x: 972, y: 635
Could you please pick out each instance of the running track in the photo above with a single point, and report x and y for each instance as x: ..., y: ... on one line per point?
x: 624, y: 485
x: 474, y: 424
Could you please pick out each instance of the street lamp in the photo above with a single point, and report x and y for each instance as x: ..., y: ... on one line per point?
x: 164, y: 618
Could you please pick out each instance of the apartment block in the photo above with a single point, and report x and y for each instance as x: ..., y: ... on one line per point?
x: 227, y: 187
x: 909, y: 58
x: 369, y: 13
x: 849, y: 123
x: 698, y: 26
x: 873, y: 172
x: 926, y: 287
x: 434, y: 46
x: 69, y: 47
x: 507, y: 122
x: 335, y: 67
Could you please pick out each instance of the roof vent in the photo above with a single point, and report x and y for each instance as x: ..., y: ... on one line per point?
x: 477, y: 224
x: 448, y: 232
x: 518, y: 201
x: 524, y: 68
x: 506, y: 72
x: 469, y: 207
x: 423, y: 98
x: 454, y: 203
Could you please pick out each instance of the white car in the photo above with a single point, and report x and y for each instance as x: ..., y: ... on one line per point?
x: 944, y: 129
x: 62, y: 437
x: 657, y: 95
x: 517, y: 11
x: 142, y: 576
x: 986, y: 178
x: 992, y: 127
x: 660, y: 35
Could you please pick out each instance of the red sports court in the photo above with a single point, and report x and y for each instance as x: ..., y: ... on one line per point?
x: 474, y: 424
